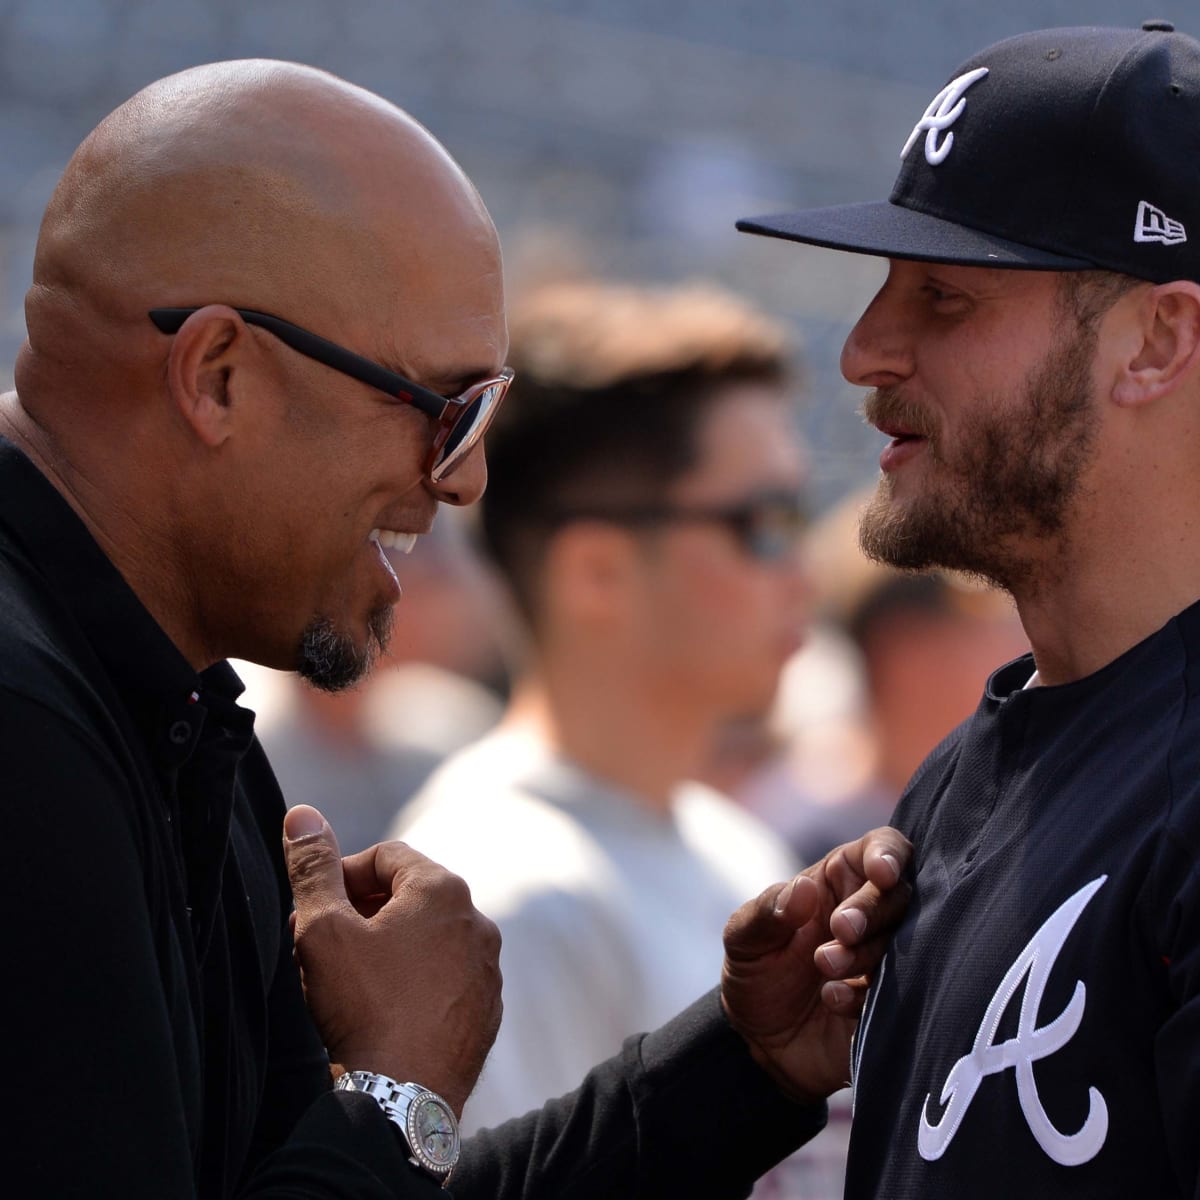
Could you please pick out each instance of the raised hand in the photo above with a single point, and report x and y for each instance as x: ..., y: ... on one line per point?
x: 798, y: 960
x: 400, y: 971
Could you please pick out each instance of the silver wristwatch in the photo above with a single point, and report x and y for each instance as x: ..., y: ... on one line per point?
x: 425, y: 1120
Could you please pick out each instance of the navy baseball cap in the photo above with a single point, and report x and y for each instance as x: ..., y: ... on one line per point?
x: 1063, y: 150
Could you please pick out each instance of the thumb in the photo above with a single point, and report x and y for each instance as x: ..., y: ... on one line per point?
x: 769, y: 922
x: 314, y: 861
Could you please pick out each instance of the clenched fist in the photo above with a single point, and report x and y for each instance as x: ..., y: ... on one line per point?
x: 400, y: 971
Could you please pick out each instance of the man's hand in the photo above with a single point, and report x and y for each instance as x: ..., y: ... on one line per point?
x: 400, y: 971
x: 798, y: 960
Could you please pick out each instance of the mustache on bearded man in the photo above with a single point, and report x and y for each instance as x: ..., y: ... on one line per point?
x: 890, y: 412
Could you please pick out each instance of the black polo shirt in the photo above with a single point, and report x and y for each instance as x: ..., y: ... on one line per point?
x: 158, y: 1042
x: 158, y: 1045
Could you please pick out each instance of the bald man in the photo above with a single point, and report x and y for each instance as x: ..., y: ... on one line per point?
x: 188, y: 476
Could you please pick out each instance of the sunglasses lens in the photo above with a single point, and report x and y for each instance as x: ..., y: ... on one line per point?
x: 469, y: 428
x: 773, y: 530
x: 464, y: 433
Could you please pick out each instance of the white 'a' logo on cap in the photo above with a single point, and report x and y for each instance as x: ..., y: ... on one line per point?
x: 944, y: 109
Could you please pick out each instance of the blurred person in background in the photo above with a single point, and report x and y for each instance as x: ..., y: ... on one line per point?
x: 645, y: 506
x: 356, y: 753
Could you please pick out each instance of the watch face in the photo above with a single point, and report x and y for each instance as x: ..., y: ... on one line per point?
x: 435, y: 1131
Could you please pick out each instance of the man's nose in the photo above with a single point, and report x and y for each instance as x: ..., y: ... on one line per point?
x: 879, y: 350
x: 466, y: 483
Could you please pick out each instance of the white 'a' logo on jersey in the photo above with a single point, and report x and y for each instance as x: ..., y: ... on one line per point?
x: 944, y: 109
x: 1032, y: 1042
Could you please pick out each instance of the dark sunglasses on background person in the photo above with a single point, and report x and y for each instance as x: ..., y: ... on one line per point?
x: 461, y: 420
x: 767, y: 526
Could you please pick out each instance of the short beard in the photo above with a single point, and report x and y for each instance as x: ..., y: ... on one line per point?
x: 328, y: 658
x: 1015, y: 475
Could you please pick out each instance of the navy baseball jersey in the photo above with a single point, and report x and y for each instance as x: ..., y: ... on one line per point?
x: 1034, y: 1030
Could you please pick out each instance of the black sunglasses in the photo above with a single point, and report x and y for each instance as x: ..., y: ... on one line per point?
x: 461, y: 420
x: 767, y: 527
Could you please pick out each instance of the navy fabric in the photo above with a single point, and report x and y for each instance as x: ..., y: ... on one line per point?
x: 1088, y: 794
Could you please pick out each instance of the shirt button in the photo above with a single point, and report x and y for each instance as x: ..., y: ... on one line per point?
x: 181, y: 733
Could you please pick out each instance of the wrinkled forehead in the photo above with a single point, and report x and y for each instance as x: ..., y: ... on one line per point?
x: 443, y: 318
x: 415, y: 276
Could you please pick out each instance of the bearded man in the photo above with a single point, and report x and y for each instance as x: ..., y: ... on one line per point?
x: 1034, y: 356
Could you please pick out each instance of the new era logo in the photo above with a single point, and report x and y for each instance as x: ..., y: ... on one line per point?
x: 1153, y: 225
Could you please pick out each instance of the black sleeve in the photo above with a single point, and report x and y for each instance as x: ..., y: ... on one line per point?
x: 683, y: 1111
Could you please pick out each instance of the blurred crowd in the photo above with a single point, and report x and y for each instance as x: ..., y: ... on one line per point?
x: 639, y: 683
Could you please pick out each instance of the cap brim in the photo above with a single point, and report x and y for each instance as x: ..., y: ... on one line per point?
x: 892, y: 231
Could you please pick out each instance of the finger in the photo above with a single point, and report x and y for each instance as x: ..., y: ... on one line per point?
x: 796, y: 902
x: 869, y: 912
x: 381, y: 870
x: 770, y: 920
x: 880, y: 857
x: 314, y: 862
x: 836, y: 961
x: 844, y: 996
x: 887, y: 854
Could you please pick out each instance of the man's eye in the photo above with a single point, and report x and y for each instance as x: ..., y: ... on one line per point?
x: 943, y: 297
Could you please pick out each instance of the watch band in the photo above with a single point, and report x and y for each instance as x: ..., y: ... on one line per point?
x: 424, y: 1119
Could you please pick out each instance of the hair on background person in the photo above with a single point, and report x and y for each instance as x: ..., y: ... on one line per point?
x: 612, y: 381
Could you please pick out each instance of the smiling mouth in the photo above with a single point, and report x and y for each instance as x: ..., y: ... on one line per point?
x: 393, y: 539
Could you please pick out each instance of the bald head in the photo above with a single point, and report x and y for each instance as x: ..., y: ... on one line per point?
x: 259, y: 184
x: 194, y: 456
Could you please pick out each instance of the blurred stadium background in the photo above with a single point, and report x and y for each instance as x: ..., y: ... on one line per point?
x: 618, y: 136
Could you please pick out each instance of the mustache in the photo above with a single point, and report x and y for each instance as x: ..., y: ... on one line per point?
x: 887, y: 407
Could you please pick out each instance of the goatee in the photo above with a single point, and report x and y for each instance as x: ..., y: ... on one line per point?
x: 330, y: 660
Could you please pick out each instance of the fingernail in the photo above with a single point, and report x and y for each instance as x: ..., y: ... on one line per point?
x: 890, y: 859
x: 836, y: 995
x: 301, y: 822
x: 856, y: 920
x: 837, y: 957
x: 785, y: 894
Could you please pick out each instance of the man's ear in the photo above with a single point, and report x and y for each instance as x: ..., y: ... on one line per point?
x: 209, y: 346
x: 1164, y: 343
x: 588, y: 569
